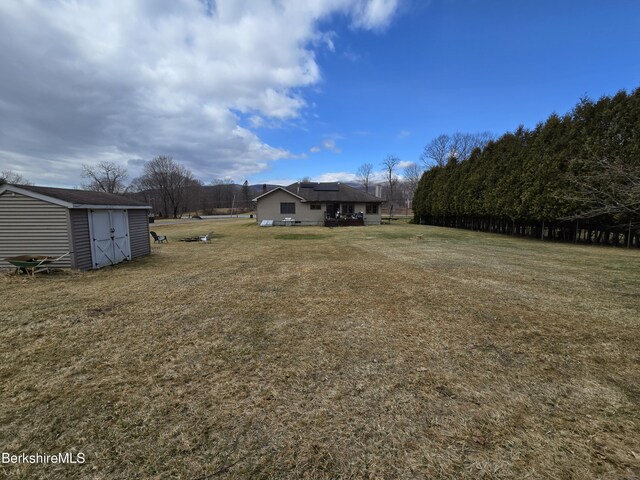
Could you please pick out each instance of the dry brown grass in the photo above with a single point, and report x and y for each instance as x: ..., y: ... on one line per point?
x: 317, y: 353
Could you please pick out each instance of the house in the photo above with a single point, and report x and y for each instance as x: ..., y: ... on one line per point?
x: 310, y: 203
x: 97, y: 228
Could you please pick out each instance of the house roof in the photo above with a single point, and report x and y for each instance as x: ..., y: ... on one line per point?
x: 70, y: 198
x: 327, y: 192
x: 275, y: 190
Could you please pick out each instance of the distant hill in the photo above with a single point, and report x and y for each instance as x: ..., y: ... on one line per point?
x: 207, y: 198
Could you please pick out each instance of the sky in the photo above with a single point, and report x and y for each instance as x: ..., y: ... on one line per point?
x: 276, y: 91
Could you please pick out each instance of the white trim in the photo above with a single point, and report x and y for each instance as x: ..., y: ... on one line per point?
x: 38, y: 196
x: 111, y: 207
x: 279, y: 188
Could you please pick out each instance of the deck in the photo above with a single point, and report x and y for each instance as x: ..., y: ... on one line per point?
x: 344, y: 222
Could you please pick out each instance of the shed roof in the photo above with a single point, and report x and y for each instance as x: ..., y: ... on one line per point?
x: 71, y: 198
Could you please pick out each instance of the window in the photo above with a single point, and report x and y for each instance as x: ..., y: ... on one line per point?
x: 347, y: 208
x: 372, y: 208
x: 287, y: 207
x: 315, y: 206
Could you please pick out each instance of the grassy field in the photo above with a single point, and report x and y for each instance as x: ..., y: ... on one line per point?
x: 306, y: 352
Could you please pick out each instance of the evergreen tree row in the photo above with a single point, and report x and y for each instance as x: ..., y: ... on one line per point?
x: 572, y: 178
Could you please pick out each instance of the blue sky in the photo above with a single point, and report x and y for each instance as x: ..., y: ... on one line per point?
x: 276, y: 91
x: 462, y: 65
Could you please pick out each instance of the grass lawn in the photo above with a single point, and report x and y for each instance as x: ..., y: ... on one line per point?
x: 306, y: 352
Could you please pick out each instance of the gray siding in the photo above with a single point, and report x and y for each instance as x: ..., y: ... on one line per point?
x: 139, y: 233
x: 269, y: 209
x: 32, y: 227
x: 80, y: 237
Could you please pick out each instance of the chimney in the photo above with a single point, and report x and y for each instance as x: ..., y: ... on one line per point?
x: 264, y: 188
x: 379, y: 191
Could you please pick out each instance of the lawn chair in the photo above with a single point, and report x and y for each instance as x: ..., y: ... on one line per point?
x: 206, y: 238
x: 159, y: 238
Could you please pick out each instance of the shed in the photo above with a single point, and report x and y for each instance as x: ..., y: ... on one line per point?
x: 98, y: 228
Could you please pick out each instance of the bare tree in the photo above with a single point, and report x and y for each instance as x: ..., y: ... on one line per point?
x: 8, y: 176
x: 364, y: 173
x: 412, y: 174
x: 390, y: 164
x: 105, y: 177
x: 436, y: 151
x: 138, y: 189
x: 612, y: 187
x: 222, y: 195
x: 463, y: 144
x: 137, y: 186
x: 457, y: 147
x: 170, y: 181
x: 482, y: 139
x: 193, y: 195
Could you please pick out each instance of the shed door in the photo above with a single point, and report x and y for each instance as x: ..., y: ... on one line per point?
x: 120, y: 232
x: 109, y: 230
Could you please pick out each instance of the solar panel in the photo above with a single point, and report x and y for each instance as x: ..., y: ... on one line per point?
x: 327, y: 187
x: 307, y: 185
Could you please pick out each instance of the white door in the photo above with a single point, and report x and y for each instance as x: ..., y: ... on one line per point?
x: 120, y: 232
x: 109, y: 231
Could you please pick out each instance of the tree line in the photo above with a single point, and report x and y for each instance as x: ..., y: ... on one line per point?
x: 574, y: 178
x: 169, y: 187
x: 399, y: 180
x: 172, y: 190
x: 9, y: 176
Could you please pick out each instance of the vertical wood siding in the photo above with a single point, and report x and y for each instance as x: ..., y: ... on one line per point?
x: 139, y: 233
x: 80, y: 238
x: 32, y: 227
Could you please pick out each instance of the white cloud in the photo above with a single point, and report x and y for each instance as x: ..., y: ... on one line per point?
x: 87, y: 80
x: 378, y: 177
x: 403, y: 134
x: 327, y: 38
x: 336, y: 177
x: 280, y: 181
x: 352, y: 57
x: 375, y: 14
x: 404, y: 164
x: 330, y: 144
x: 327, y: 144
x: 256, y: 121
